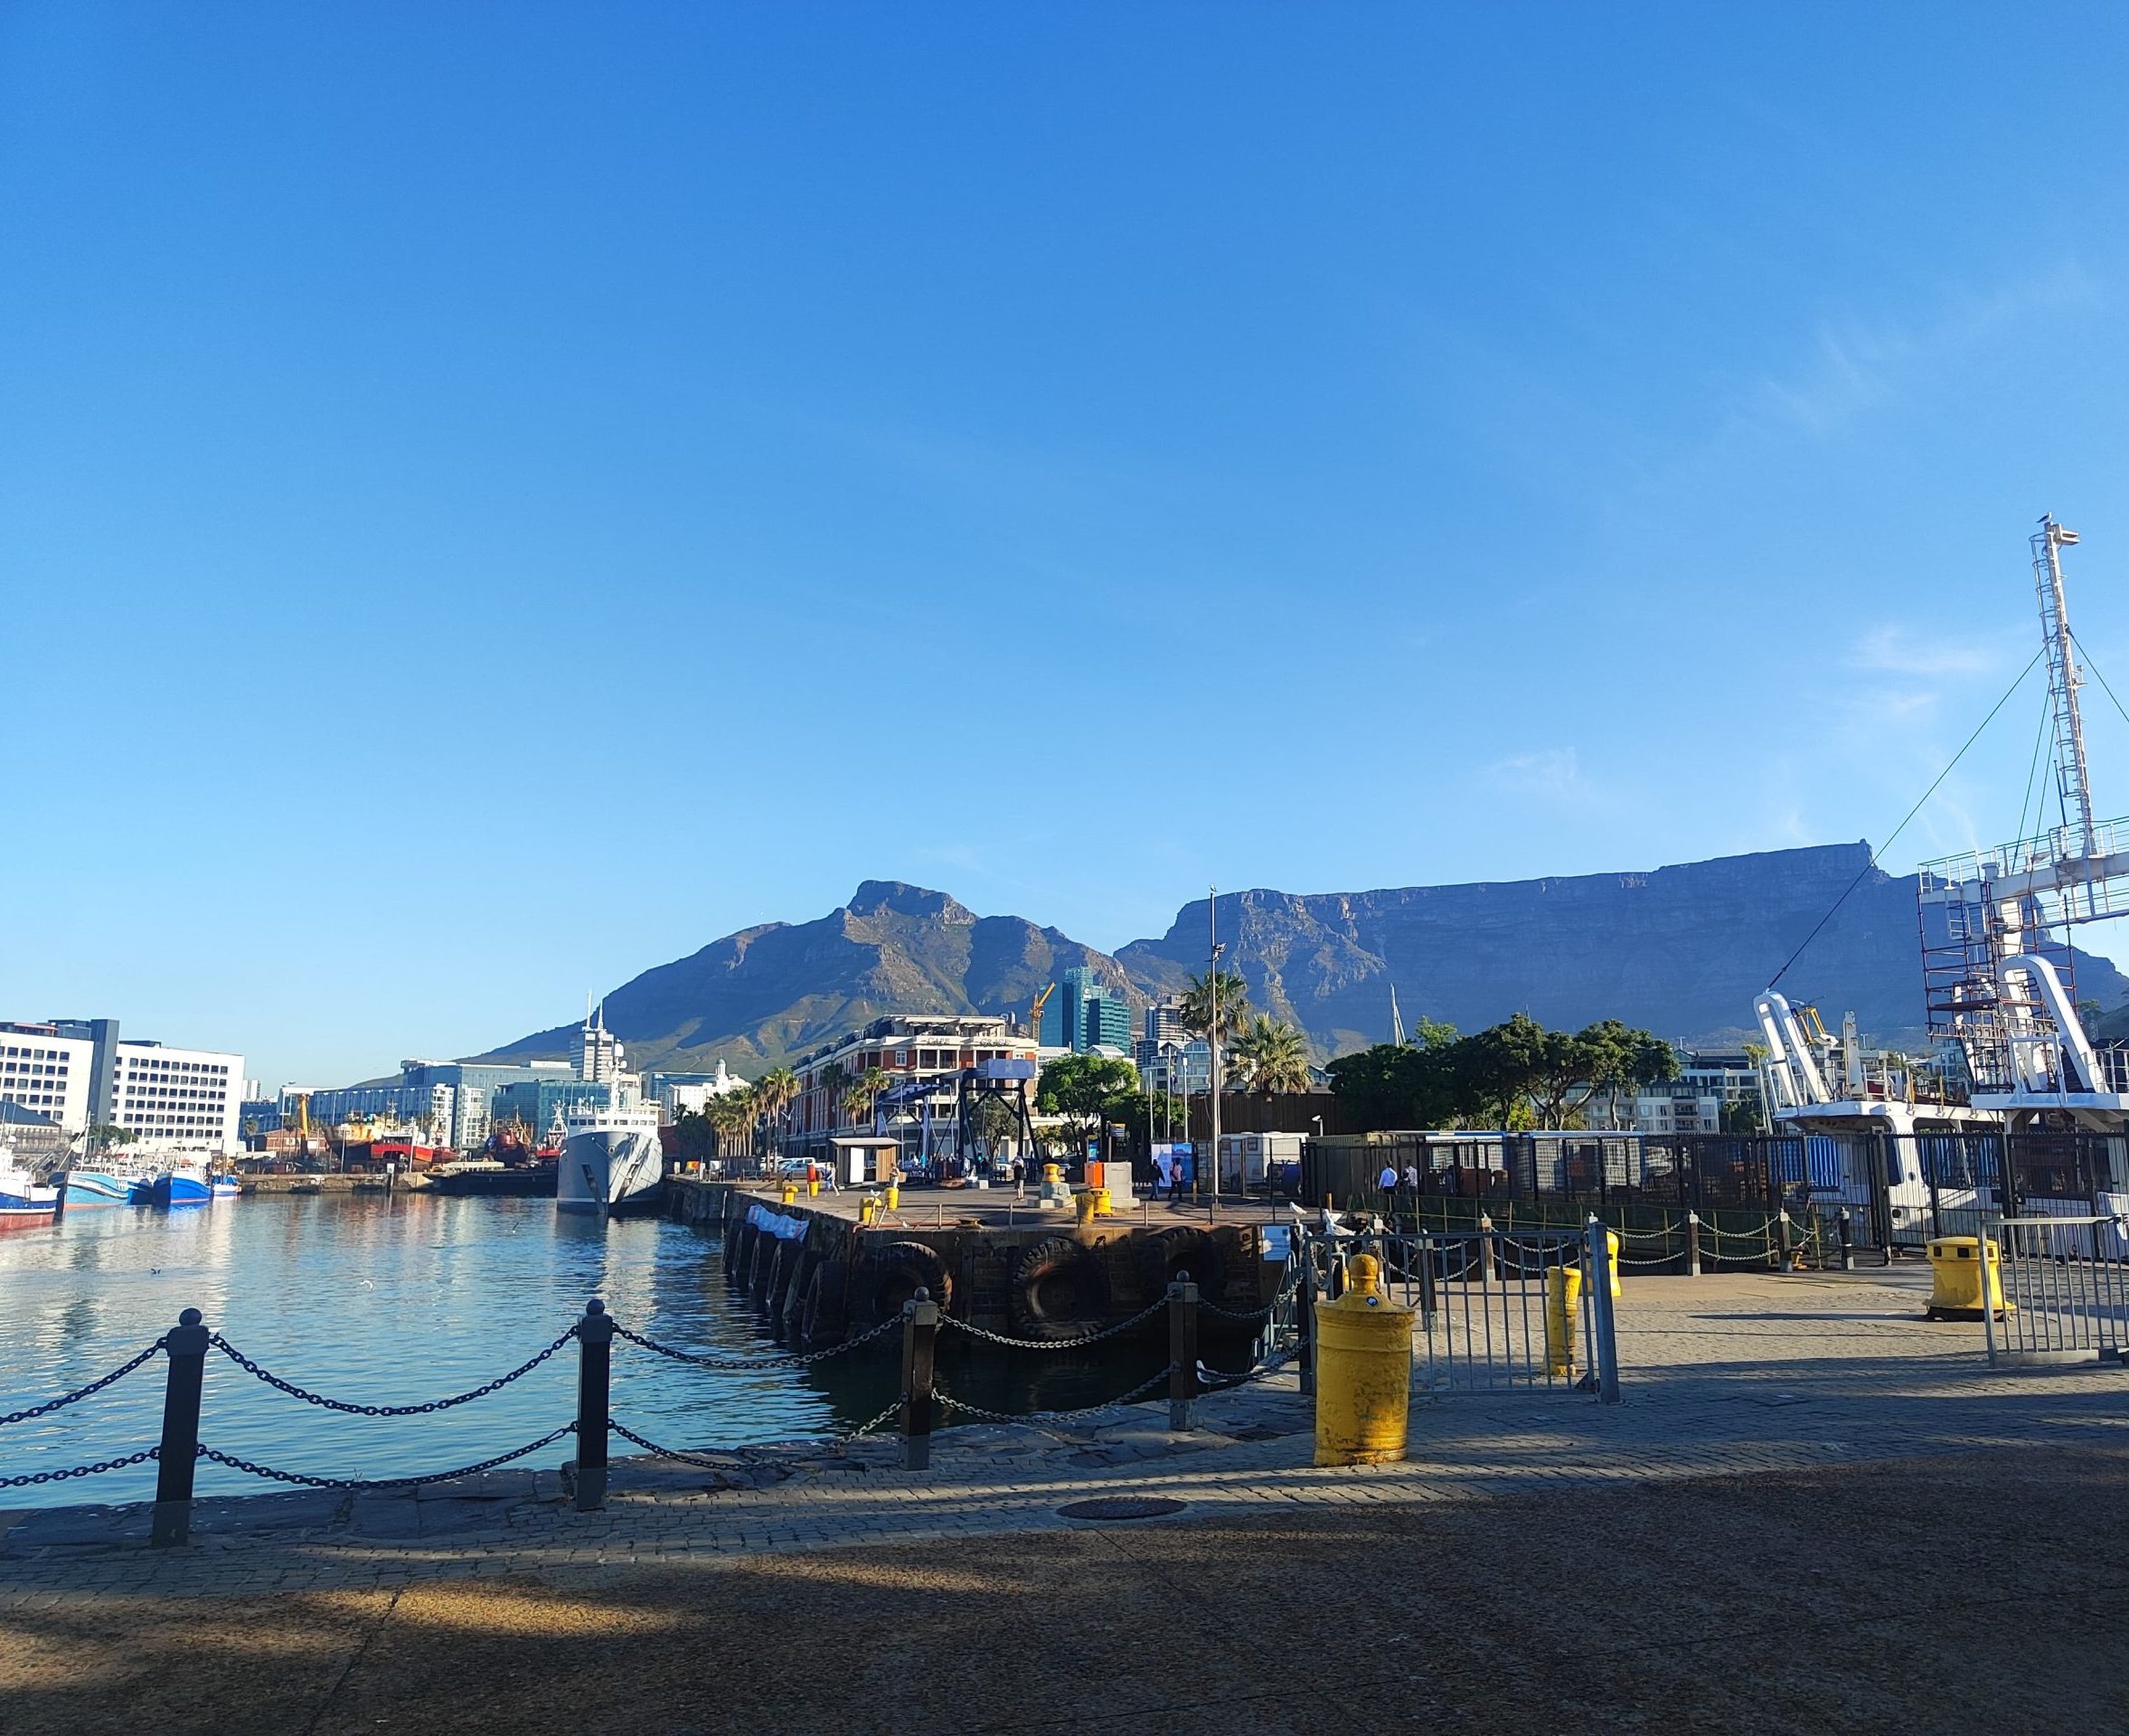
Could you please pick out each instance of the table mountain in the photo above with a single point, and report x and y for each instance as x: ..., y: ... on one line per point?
x: 1680, y: 951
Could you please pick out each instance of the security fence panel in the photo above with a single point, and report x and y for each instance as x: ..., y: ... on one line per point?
x: 2065, y: 1289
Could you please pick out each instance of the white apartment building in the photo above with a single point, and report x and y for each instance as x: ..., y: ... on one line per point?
x: 46, y: 1073
x: 170, y: 1098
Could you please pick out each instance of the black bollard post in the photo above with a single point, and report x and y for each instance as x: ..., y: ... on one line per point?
x: 185, y: 1345
x: 920, y: 1348
x: 1847, y: 1243
x: 595, y: 1357
x: 1485, y: 1248
x: 1182, y: 1351
x: 1692, y: 1244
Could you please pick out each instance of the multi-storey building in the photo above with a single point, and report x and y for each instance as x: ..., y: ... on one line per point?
x: 47, y: 1073
x: 904, y: 1047
x: 79, y: 1073
x: 462, y: 1119
x: 1710, y: 1085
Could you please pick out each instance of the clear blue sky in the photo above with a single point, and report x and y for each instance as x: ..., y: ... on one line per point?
x: 493, y: 498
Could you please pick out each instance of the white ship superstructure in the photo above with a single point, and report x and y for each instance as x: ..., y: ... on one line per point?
x: 611, y: 1157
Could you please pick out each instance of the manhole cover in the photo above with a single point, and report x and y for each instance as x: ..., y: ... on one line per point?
x: 1121, y: 1506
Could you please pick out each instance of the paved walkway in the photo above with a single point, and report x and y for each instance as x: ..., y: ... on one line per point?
x: 1724, y: 1376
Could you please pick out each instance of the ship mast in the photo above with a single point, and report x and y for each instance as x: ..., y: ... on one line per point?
x: 2073, y: 787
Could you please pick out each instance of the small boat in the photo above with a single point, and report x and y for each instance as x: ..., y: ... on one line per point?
x: 23, y: 1200
x: 224, y: 1187
x: 109, y: 1182
x: 184, y: 1182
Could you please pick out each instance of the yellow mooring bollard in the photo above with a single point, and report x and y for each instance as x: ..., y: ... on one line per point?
x: 813, y: 1188
x: 1083, y: 1205
x: 894, y: 1195
x: 867, y: 1207
x: 1563, y: 1295
x: 1363, y: 1370
x: 1104, y: 1207
x: 790, y: 1193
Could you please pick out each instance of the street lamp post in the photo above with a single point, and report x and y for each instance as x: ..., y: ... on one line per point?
x: 1212, y: 1041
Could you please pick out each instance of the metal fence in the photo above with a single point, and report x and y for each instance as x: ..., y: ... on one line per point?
x: 2065, y: 1291
x: 1495, y: 1309
x: 1898, y: 1190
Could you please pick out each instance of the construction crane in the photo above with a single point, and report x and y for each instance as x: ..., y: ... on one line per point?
x: 1035, y: 1012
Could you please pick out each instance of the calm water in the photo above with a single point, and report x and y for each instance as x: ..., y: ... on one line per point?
x: 394, y: 1299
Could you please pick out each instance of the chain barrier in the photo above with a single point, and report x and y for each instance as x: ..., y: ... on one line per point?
x: 1286, y: 1292
x: 1140, y: 1318
x: 745, y: 1364
x: 77, y: 1395
x: 23, y: 1482
x: 236, y: 1463
x: 1131, y: 1397
x: 295, y: 1392
x: 865, y: 1429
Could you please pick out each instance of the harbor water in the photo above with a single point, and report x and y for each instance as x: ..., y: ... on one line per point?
x: 400, y: 1299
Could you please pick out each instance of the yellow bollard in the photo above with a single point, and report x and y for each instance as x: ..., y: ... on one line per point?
x: 1053, y: 1174
x: 894, y: 1195
x: 867, y: 1207
x: 1363, y: 1370
x: 1104, y: 1207
x: 790, y: 1193
x: 1083, y: 1205
x: 813, y: 1188
x: 1612, y: 1236
x: 1563, y: 1294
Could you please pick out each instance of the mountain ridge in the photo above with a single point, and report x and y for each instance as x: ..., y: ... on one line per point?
x: 1681, y: 950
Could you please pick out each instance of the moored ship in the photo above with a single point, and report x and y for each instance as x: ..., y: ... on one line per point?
x: 611, y: 1160
x: 22, y: 1198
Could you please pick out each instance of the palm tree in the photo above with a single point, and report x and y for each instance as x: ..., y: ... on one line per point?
x: 1271, y: 1056
x: 1197, y: 999
x: 774, y: 1091
x: 863, y: 1093
x: 834, y: 1077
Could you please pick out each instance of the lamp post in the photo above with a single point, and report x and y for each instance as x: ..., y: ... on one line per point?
x: 1212, y: 1040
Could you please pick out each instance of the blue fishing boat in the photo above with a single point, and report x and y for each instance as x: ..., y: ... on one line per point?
x: 225, y: 1187
x: 23, y: 1200
x: 108, y: 1184
x: 183, y: 1184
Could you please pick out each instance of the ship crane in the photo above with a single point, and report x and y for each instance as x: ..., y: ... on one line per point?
x: 1999, y: 971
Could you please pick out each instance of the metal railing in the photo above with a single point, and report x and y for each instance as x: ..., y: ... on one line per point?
x: 2065, y: 1291
x: 1495, y: 1309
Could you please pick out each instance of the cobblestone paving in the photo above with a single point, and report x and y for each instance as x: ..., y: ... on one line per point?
x: 1723, y: 1375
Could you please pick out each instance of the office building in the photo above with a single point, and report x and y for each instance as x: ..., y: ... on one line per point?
x: 79, y: 1073
x: 1090, y: 1015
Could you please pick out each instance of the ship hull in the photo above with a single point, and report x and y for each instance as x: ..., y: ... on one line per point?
x: 609, y: 1169
x: 88, y: 1187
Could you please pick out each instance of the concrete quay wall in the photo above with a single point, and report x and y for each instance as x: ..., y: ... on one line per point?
x: 1021, y: 1273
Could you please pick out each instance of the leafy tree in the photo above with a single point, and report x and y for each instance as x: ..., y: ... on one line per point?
x: 1231, y: 993
x: 1271, y: 1057
x: 994, y: 1121
x: 864, y: 1094
x: 774, y: 1093
x: 1515, y: 1075
x: 1085, y: 1087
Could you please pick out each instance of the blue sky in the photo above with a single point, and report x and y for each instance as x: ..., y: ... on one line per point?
x: 492, y: 498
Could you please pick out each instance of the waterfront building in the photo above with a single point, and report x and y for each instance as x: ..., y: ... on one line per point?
x: 1163, y: 1023
x: 1091, y: 1015
x: 905, y: 1049
x: 47, y: 1074
x: 1711, y: 1085
x: 676, y: 1094
x: 463, y: 1120
x: 595, y: 1053
x: 1180, y: 1068
x: 539, y: 1103
x: 76, y: 1073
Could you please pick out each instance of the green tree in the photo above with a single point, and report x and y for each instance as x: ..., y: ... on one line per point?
x: 864, y: 1094
x: 1085, y: 1087
x: 994, y: 1121
x: 1231, y: 993
x: 774, y: 1093
x: 1270, y: 1056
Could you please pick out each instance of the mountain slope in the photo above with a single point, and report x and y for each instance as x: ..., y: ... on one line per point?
x: 762, y: 995
x: 1681, y: 951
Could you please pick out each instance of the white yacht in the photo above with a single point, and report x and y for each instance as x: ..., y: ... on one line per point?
x: 611, y: 1159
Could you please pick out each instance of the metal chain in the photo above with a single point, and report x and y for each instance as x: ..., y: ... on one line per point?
x: 1140, y: 1318
x: 864, y: 1428
x: 1285, y: 1294
x: 238, y: 1464
x: 747, y: 1364
x: 80, y: 1392
x: 80, y: 1470
x: 295, y: 1392
x: 1131, y: 1397
x: 1270, y: 1365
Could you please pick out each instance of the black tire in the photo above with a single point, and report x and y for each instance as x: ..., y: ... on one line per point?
x: 791, y: 1304
x: 899, y: 1271
x: 826, y: 1308
x: 1060, y: 1290
x: 782, y: 1270
x: 1173, y: 1252
x: 763, y: 1263
x: 738, y: 1251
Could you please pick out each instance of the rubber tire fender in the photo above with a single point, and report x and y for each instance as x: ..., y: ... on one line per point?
x: 1183, y: 1249
x: 737, y: 1251
x: 1032, y: 1298
x: 899, y: 1269
x: 827, y: 1303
